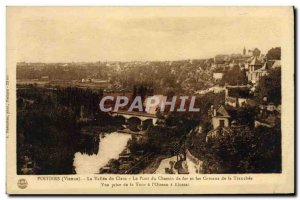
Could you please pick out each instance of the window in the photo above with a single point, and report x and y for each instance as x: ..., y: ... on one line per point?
x: 222, y: 123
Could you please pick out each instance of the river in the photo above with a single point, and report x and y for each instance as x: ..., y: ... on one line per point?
x: 109, y: 148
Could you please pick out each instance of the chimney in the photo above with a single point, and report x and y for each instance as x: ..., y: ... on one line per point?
x: 211, y: 112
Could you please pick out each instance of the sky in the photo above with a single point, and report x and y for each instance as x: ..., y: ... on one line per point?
x: 138, y: 34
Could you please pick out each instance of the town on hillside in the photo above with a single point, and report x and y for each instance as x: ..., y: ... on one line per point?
x: 237, y: 130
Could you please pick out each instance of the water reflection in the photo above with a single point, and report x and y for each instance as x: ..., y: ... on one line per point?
x: 109, y: 148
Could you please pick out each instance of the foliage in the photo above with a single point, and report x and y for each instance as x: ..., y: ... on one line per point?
x: 242, y: 151
x: 161, y: 140
x: 270, y: 87
x: 204, y: 103
x: 244, y: 115
x: 274, y: 54
x: 48, y: 135
x: 48, y: 127
x: 160, y: 75
x: 235, y: 76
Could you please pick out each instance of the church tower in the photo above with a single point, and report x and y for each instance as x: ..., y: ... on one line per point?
x: 244, y: 51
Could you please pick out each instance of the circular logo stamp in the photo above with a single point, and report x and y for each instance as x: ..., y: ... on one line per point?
x: 22, y: 183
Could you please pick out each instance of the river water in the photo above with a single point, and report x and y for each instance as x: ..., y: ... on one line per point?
x: 109, y: 148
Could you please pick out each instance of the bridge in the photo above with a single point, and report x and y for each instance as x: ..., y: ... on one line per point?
x: 140, y: 115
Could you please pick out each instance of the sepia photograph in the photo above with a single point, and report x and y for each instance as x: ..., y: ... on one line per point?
x: 163, y: 91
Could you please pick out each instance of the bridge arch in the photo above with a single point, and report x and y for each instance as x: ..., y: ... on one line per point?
x: 119, y: 119
x: 146, y: 123
x: 134, y: 123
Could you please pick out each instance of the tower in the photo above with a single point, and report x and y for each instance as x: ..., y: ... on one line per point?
x: 244, y: 51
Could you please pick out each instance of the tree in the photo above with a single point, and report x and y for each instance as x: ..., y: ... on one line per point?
x: 235, y: 76
x: 256, y: 52
x: 270, y: 87
x: 274, y: 54
x: 244, y: 115
x: 47, y: 129
x: 244, y: 151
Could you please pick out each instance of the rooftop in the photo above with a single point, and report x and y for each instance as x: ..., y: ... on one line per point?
x: 222, y: 112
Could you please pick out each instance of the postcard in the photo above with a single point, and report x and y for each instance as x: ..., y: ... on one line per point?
x: 150, y: 100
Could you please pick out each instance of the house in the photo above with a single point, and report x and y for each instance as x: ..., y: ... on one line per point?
x: 276, y: 64
x: 218, y: 76
x: 87, y: 80
x: 258, y: 69
x: 269, y: 115
x: 255, y: 64
x: 220, y: 117
x: 223, y: 123
x: 257, y: 74
x: 220, y: 120
x: 237, y: 96
x: 44, y: 78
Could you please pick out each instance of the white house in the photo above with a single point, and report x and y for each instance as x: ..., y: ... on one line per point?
x: 218, y: 76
